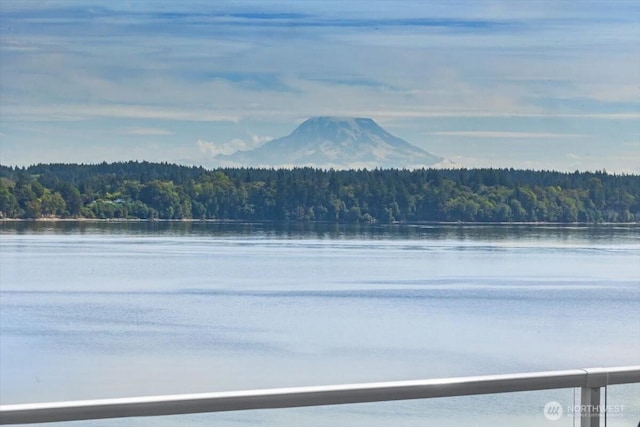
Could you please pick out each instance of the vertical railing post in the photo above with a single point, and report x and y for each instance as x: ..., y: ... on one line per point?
x: 590, y: 407
x: 590, y: 397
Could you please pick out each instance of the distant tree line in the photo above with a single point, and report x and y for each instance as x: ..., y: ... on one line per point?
x: 142, y: 190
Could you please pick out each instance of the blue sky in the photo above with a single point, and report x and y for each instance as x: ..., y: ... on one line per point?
x: 546, y: 84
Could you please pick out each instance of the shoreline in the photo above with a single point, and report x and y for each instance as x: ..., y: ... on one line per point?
x: 231, y: 221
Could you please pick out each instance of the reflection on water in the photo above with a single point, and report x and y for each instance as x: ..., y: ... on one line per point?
x: 298, y: 230
x: 120, y: 309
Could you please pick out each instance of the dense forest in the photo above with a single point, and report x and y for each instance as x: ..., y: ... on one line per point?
x: 141, y: 190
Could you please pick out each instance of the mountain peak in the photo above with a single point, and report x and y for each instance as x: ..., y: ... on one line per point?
x: 336, y: 128
x: 342, y: 120
x: 335, y: 142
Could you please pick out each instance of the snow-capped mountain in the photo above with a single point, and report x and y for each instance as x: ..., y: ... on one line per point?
x: 335, y: 142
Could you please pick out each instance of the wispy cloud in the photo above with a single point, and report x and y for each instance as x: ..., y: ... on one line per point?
x: 489, y: 114
x: 82, y: 112
x: 348, y: 81
x: 147, y: 132
x: 510, y: 135
x: 214, y: 149
x: 250, y: 80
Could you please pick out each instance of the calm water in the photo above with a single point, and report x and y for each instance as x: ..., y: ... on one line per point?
x: 126, y: 309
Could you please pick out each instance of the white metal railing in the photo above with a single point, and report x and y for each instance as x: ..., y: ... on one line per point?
x: 589, y: 380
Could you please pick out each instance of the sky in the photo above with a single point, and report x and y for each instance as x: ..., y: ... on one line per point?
x: 535, y: 84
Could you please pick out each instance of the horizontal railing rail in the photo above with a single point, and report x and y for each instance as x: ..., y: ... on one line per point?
x: 589, y: 380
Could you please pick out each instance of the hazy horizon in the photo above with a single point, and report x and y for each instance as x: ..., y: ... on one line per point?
x: 541, y: 85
